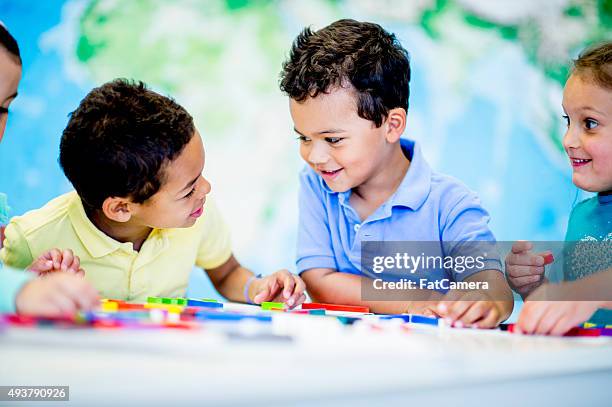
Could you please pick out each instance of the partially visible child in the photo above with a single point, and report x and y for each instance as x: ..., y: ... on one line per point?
x: 348, y: 85
x: 555, y: 308
x: 20, y: 291
x: 140, y: 217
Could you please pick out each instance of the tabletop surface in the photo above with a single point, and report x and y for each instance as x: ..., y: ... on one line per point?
x: 304, y: 359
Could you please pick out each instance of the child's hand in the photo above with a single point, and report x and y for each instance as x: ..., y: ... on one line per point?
x: 474, y: 309
x: 524, y: 269
x: 281, y: 286
x: 545, y: 312
x: 59, y: 294
x: 56, y: 260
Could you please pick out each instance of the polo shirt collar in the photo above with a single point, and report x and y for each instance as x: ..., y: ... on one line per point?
x: 416, y: 185
x: 97, y: 243
x: 414, y: 188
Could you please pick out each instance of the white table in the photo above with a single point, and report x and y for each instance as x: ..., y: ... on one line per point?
x: 324, y: 364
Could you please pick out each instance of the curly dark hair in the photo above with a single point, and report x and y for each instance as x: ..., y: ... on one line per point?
x: 119, y: 139
x: 596, y: 61
x: 361, y: 54
x: 8, y: 42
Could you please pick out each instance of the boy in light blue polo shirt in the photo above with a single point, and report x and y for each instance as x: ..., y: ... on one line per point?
x: 348, y: 85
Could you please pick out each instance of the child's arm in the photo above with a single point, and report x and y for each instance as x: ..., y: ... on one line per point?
x: 478, y: 308
x: 56, y: 295
x: 329, y: 286
x: 231, y: 280
x: 16, y: 250
x: 554, y: 309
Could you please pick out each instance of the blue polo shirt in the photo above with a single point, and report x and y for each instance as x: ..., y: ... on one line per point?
x: 427, y: 207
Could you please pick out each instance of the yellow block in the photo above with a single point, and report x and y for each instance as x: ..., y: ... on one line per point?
x: 110, y: 306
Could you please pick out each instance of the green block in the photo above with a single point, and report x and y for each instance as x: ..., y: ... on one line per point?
x: 179, y: 301
x: 269, y: 305
x: 154, y: 300
x: 166, y: 300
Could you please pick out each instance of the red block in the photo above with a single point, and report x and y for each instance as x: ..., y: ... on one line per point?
x: 15, y: 319
x: 127, y: 306
x: 583, y: 332
x: 335, y: 307
x: 548, y: 258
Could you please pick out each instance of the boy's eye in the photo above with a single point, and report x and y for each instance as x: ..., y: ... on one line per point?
x: 333, y: 140
x: 590, y: 124
x: 566, y: 117
x: 303, y: 139
x: 190, y: 193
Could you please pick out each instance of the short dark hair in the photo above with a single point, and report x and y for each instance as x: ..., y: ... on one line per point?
x: 596, y: 63
x: 118, y: 140
x: 8, y: 42
x: 348, y: 51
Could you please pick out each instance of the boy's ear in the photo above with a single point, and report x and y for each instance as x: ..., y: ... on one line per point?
x: 396, y: 124
x: 117, y: 209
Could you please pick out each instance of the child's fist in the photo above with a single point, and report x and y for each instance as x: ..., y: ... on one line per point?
x: 57, y: 260
x: 281, y: 286
x: 524, y: 269
x: 59, y: 294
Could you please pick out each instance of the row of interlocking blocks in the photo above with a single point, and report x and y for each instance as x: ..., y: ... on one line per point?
x: 185, y: 302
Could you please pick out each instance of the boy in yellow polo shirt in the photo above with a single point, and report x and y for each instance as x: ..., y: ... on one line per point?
x: 140, y: 218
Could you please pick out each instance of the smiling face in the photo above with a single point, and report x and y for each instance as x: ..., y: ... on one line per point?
x: 179, y: 201
x: 588, y: 139
x: 345, y: 149
x: 10, y: 75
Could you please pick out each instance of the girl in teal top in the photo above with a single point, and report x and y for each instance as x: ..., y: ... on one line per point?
x: 587, y: 287
x: 59, y: 293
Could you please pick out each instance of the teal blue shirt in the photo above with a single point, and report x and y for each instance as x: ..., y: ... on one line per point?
x: 588, y: 244
x: 11, y: 280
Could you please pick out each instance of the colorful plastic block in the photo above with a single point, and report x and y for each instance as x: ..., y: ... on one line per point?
x: 420, y: 319
x: 154, y: 300
x: 335, y: 307
x: 548, y: 258
x: 109, y: 306
x: 583, y: 332
x: 316, y: 311
x: 229, y: 317
x: 128, y: 306
x: 347, y: 320
x: 267, y: 306
x: 404, y: 317
x: 206, y: 304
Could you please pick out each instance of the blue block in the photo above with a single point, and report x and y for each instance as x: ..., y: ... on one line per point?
x: 347, y: 320
x: 420, y: 319
x: 204, y: 304
x: 404, y: 317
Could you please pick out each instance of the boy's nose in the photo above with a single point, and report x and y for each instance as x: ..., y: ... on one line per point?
x: 318, y: 155
x: 205, y: 188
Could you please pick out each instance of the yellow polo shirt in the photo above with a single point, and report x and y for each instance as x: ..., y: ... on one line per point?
x: 160, y: 268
